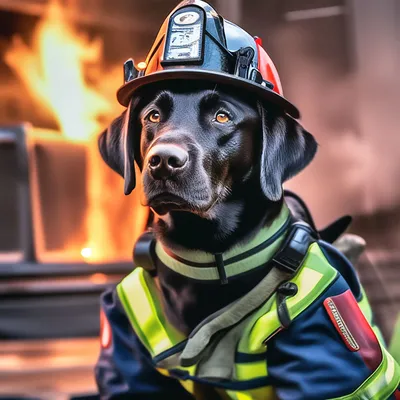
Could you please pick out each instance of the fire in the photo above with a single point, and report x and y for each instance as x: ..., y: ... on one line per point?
x: 86, y: 252
x: 56, y: 70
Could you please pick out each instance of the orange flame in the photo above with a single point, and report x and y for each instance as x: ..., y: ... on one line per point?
x: 53, y: 70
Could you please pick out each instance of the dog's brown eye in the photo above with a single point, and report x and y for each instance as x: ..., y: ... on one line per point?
x: 154, y: 117
x: 222, y: 118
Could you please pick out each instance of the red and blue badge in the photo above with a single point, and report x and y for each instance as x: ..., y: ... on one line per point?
x: 353, y: 328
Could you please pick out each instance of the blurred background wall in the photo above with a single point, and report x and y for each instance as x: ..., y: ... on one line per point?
x: 59, y: 205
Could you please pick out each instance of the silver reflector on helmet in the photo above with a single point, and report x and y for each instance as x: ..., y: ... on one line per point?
x: 184, y: 41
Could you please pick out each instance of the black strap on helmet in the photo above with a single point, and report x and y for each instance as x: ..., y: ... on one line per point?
x: 243, y: 62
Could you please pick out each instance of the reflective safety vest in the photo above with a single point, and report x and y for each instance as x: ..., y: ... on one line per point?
x: 141, y: 301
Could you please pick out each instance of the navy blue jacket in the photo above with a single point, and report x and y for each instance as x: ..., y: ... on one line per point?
x: 306, y: 362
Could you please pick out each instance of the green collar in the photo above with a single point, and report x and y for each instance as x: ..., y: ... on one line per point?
x: 239, y: 259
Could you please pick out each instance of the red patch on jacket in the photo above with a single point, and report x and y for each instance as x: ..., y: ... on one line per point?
x: 353, y: 328
x: 105, y: 331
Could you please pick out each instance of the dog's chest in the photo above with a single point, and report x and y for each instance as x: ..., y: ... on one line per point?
x: 187, y: 301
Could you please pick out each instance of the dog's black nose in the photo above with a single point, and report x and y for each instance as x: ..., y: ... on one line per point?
x: 166, y: 159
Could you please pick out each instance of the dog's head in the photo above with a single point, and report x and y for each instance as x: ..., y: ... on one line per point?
x: 194, y: 145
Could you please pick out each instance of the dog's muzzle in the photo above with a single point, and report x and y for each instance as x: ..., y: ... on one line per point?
x: 167, y: 160
x: 174, y: 177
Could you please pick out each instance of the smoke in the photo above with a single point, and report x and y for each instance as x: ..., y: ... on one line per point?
x: 353, y: 120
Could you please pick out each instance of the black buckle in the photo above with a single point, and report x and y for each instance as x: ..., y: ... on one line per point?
x: 293, y: 252
x: 219, y: 261
x: 243, y: 62
x: 286, y: 265
x: 144, y: 254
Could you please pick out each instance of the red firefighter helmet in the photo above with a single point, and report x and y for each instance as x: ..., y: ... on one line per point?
x: 196, y: 43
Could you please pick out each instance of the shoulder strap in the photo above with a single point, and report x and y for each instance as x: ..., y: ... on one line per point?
x: 293, y: 251
x: 290, y: 257
x: 284, y: 266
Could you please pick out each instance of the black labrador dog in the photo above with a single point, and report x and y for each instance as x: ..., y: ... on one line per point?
x: 213, y: 162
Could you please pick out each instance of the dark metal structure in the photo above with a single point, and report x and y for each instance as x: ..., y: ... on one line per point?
x: 44, y: 299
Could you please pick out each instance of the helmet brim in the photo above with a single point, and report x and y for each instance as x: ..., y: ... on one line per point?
x: 126, y: 91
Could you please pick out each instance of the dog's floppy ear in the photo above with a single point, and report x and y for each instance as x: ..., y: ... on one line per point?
x: 110, y: 145
x: 116, y: 145
x: 287, y: 148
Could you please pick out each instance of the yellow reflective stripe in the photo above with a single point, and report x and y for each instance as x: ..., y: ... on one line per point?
x: 232, y: 269
x: 142, y: 314
x: 394, y: 347
x: 173, y: 334
x: 263, y: 235
x: 310, y: 284
x: 251, y: 370
x: 147, y: 317
x: 163, y: 371
x: 381, y: 384
x: 190, y: 370
x: 244, y: 343
x: 131, y: 316
x: 211, y: 273
x: 365, y: 306
x: 367, y: 311
x: 312, y: 280
x: 322, y: 276
x: 263, y: 393
x: 188, y: 385
x: 269, y: 323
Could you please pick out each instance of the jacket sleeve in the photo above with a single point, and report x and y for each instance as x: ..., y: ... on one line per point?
x: 124, y: 369
x: 331, y: 352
